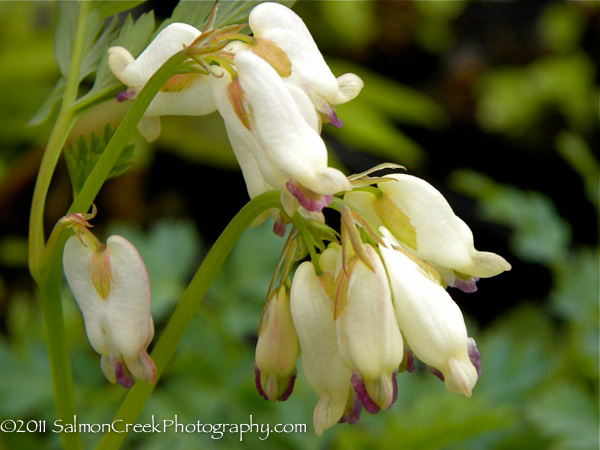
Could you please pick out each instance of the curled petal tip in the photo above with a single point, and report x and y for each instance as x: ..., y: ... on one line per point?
x: 474, y: 355
x: 309, y: 200
x: 361, y: 392
x: 124, y: 378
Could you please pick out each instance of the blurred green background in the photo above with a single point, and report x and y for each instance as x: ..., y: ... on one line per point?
x: 494, y: 103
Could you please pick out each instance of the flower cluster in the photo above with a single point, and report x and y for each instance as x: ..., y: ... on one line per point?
x: 375, y: 298
x: 273, y: 90
x: 367, y: 302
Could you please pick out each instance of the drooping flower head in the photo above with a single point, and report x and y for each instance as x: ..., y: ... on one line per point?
x: 111, y: 286
x: 421, y: 219
x: 280, y: 26
x: 184, y: 94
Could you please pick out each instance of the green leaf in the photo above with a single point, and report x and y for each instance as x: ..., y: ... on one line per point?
x: 134, y: 36
x: 568, y: 414
x: 44, y: 112
x: 64, y: 33
x: 81, y: 158
x: 104, y: 9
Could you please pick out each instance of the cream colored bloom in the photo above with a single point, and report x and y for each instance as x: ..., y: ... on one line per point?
x: 280, y: 25
x: 272, y: 127
x: 421, y: 219
x: 185, y: 94
x: 112, y: 289
x: 312, y: 312
x: 430, y: 321
x: 368, y: 336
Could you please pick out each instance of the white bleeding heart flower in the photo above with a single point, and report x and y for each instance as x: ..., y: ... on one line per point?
x: 312, y: 304
x: 369, y: 339
x: 111, y: 286
x: 421, y: 219
x: 431, y: 322
x: 183, y: 94
x: 276, y: 24
x: 272, y: 127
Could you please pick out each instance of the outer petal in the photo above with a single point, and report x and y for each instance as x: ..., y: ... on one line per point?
x: 244, y: 145
x: 194, y: 100
x: 77, y: 267
x: 169, y: 41
x: 430, y: 321
x: 295, y: 147
x: 129, y: 302
x: 441, y: 237
x: 312, y: 313
x: 368, y: 334
x: 281, y: 25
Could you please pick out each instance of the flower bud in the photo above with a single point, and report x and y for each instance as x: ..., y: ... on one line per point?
x: 277, y: 349
x: 112, y: 289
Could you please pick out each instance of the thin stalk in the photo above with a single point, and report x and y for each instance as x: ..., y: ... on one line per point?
x: 188, y: 306
x: 50, y: 299
x: 60, y: 132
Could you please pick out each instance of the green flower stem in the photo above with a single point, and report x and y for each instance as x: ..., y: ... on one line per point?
x: 300, y: 225
x: 187, y: 307
x: 64, y: 123
x: 49, y: 286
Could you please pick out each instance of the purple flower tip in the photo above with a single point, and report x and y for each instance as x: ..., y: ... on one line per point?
x: 469, y: 286
x: 352, y: 414
x: 410, y: 361
x: 474, y: 356
x: 279, y: 227
x: 258, y: 385
x: 286, y: 394
x: 334, y: 120
x: 310, y: 201
x: 395, y: 385
x: 122, y: 96
x: 437, y: 373
x: 123, y: 378
x: 361, y: 391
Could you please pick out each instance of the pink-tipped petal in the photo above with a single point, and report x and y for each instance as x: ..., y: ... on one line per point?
x: 469, y: 286
x: 310, y: 201
x: 361, y: 391
x: 474, y: 355
x: 334, y: 120
x: 258, y: 385
x: 123, y: 377
x: 286, y: 394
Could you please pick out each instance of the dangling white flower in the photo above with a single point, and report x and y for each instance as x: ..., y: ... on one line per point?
x: 184, y: 94
x: 421, y: 219
x: 368, y: 336
x: 277, y: 24
x: 112, y: 289
x: 275, y: 124
x: 312, y: 303
x: 431, y: 322
x: 277, y: 349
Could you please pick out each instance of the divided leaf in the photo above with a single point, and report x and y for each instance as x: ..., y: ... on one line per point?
x: 81, y: 158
